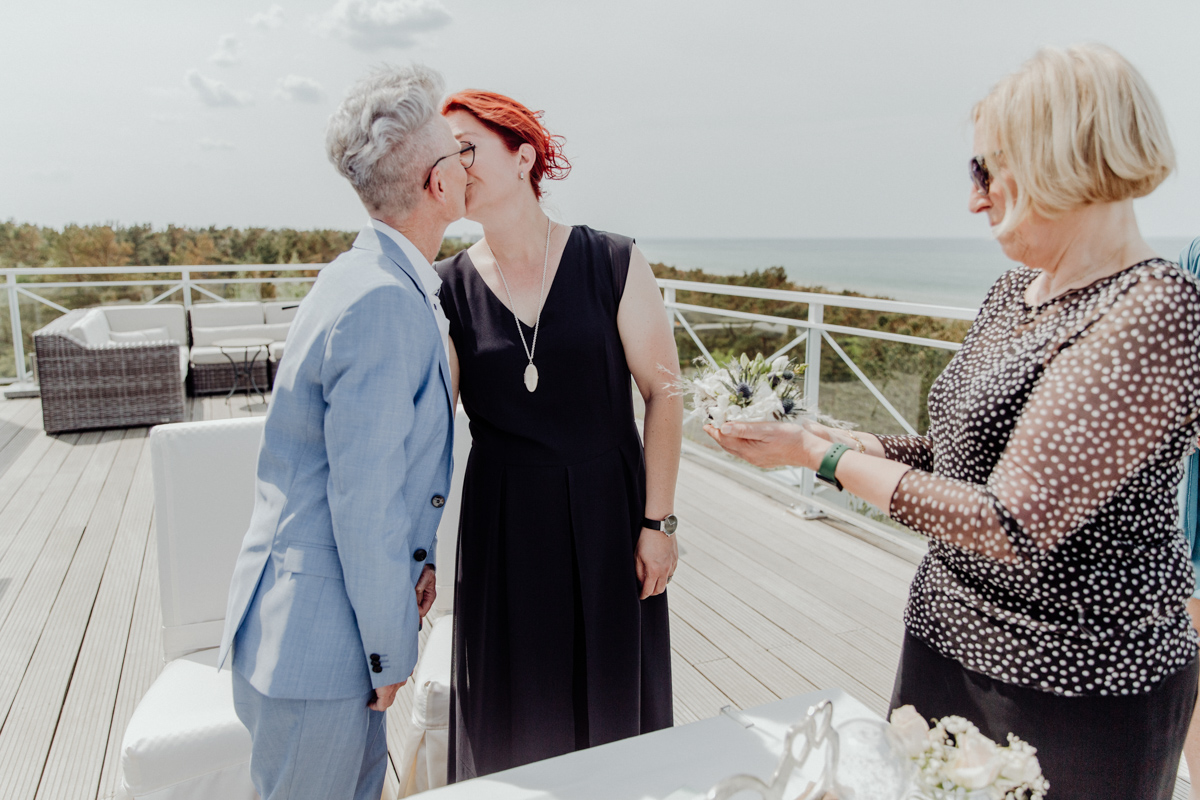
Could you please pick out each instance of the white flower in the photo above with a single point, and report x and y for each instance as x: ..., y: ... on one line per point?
x: 779, y: 364
x: 976, y: 761
x: 1020, y: 766
x: 911, y: 729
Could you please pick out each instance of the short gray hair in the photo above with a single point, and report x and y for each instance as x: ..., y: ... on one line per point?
x: 380, y: 138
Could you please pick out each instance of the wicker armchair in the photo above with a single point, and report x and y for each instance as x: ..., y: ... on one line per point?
x: 114, y: 385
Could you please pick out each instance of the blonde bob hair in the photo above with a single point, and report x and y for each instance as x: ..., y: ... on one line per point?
x: 1074, y: 127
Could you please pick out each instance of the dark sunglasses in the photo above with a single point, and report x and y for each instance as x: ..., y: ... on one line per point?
x: 980, y: 175
x: 466, y: 155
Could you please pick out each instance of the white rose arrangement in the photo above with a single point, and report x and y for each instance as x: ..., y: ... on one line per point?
x: 954, y: 760
x: 747, y: 390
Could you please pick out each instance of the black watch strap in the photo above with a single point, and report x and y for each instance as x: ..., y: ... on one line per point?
x: 652, y: 524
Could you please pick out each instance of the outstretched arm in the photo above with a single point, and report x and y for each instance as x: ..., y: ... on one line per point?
x: 1104, y: 406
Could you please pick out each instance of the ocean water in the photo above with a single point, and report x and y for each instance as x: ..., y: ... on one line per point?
x: 950, y: 272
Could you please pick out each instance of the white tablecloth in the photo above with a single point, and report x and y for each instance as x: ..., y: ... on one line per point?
x: 653, y: 766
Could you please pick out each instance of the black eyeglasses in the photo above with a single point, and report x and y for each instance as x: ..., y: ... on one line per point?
x: 980, y: 175
x: 466, y: 155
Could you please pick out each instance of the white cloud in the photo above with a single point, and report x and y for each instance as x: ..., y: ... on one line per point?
x: 166, y: 119
x: 215, y: 144
x: 269, y: 19
x: 228, y: 51
x: 214, y: 93
x: 379, y: 24
x: 300, y: 90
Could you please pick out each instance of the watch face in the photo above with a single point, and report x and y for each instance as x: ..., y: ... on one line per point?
x: 670, y: 523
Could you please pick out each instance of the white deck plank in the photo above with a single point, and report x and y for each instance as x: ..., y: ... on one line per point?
x: 22, y: 493
x: 77, y: 754
x: 876, y: 570
x: 739, y: 685
x: 142, y: 663
x: 57, y: 535
x: 16, y: 434
x: 790, y: 560
x: 772, y: 672
x: 696, y: 691
x: 28, y: 730
x: 774, y: 598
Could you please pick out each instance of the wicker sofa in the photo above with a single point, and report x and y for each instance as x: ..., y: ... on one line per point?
x: 211, y: 322
x: 112, y: 367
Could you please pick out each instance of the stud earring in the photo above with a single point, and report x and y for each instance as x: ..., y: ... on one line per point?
x: 520, y: 176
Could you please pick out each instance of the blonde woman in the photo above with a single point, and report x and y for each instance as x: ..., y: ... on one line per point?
x: 1052, y: 601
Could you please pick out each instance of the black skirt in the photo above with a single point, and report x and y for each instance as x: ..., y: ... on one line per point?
x: 1120, y: 747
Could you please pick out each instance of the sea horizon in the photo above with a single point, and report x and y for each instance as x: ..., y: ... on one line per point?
x: 951, y: 271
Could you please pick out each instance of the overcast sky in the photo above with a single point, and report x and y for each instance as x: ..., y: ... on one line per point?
x: 687, y: 119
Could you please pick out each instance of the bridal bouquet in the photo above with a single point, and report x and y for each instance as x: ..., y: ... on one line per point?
x: 955, y: 761
x: 747, y: 390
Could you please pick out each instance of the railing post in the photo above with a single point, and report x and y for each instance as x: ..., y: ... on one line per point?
x: 812, y: 380
x: 186, y: 277
x: 14, y: 317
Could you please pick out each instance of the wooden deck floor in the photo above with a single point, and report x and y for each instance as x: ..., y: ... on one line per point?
x: 764, y: 605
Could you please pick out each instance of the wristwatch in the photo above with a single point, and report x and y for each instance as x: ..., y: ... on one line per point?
x: 826, y: 472
x: 667, y: 525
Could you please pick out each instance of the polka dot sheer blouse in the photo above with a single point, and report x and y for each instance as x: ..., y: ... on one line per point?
x: 1047, y: 483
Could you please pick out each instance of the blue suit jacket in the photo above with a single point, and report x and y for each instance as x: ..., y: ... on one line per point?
x: 352, y: 476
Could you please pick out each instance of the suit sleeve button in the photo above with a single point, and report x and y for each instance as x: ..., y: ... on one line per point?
x: 376, y: 668
x: 438, y: 501
x: 420, y: 554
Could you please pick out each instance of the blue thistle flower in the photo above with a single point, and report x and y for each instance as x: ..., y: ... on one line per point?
x: 789, y: 404
x: 744, y: 391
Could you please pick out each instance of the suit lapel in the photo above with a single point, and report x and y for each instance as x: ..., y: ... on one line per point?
x: 371, y: 239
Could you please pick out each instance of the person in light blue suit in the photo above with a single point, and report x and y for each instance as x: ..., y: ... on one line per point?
x: 336, y: 569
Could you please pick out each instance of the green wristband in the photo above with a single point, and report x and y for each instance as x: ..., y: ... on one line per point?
x: 828, y: 468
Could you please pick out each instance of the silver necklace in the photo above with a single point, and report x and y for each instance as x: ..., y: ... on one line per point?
x: 531, y: 372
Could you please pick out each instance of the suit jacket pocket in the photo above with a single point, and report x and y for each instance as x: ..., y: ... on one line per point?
x: 313, y: 559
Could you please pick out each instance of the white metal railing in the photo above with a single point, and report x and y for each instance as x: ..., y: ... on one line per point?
x: 179, y: 280
x: 184, y: 284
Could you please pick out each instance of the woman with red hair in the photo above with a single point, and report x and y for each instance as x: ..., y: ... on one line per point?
x: 566, y: 541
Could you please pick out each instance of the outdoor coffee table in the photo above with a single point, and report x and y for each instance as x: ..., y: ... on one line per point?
x: 243, y: 374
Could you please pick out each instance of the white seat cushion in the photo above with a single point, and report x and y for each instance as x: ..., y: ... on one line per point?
x: 277, y: 352
x: 91, y: 329
x: 185, y: 739
x: 147, y: 335
x: 137, y: 318
x: 205, y: 337
x: 213, y: 355
x: 216, y: 315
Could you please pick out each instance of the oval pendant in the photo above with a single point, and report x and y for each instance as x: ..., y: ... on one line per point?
x: 531, y: 377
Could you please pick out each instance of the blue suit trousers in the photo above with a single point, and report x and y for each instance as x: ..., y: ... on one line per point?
x: 313, y: 749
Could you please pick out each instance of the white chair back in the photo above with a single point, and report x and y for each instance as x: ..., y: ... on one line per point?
x: 203, y: 499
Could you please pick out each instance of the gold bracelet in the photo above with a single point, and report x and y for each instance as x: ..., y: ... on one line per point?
x: 858, y: 443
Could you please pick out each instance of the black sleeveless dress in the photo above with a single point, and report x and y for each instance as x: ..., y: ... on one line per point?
x: 553, y: 650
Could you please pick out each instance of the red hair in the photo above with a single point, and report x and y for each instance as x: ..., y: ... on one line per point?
x: 516, y: 125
